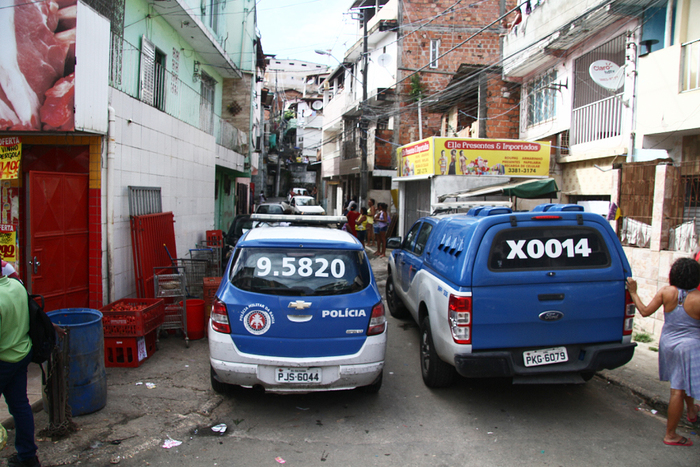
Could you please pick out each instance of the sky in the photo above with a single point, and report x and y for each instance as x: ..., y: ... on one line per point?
x: 295, y: 28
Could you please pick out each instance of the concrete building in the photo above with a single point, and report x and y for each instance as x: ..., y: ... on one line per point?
x: 139, y: 93
x: 614, y: 86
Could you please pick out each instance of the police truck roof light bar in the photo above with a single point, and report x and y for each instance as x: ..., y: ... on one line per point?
x: 299, y: 218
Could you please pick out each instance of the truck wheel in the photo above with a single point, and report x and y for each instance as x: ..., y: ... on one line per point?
x: 396, y: 307
x: 218, y: 386
x: 374, y: 387
x: 435, y: 372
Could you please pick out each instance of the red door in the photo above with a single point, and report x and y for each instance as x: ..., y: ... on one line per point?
x: 58, y: 229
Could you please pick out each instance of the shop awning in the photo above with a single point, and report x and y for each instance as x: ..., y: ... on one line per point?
x: 528, y: 189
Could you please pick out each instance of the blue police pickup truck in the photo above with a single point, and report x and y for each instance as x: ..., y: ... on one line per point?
x: 538, y: 296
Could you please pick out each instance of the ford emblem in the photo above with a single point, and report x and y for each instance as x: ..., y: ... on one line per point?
x: 551, y: 315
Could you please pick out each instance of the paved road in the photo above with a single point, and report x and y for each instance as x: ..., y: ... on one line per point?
x: 406, y: 424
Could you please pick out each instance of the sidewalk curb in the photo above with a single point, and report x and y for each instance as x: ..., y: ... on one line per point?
x: 9, y: 422
x: 650, y: 399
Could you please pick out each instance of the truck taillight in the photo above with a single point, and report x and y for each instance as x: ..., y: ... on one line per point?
x: 377, y: 323
x: 460, y: 319
x: 219, y: 317
x: 630, y: 310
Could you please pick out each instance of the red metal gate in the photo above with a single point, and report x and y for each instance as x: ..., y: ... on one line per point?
x: 151, y: 234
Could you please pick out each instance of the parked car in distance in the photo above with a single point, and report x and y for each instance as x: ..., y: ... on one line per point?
x: 298, y: 310
x: 306, y: 205
x: 297, y: 192
x: 274, y: 208
x: 539, y: 296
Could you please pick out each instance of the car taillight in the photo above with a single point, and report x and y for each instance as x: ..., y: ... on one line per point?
x: 377, y: 323
x: 630, y: 310
x: 460, y: 318
x: 219, y: 317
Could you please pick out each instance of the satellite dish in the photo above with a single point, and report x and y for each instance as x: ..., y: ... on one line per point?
x: 383, y: 60
x: 317, y: 105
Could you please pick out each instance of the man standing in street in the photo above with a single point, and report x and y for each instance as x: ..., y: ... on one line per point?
x: 15, y: 356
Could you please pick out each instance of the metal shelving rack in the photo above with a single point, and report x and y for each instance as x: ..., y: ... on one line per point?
x: 170, y: 284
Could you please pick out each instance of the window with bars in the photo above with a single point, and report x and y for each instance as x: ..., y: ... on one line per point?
x: 541, y: 98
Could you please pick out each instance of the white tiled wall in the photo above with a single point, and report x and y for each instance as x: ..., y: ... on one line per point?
x: 154, y: 149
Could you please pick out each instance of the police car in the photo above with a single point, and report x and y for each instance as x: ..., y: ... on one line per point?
x: 298, y: 311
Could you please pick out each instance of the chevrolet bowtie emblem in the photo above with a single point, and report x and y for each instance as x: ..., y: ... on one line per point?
x: 299, y: 304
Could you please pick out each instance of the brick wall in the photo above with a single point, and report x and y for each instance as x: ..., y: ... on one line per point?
x: 451, y: 29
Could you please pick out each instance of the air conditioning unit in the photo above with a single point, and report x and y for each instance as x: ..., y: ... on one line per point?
x: 388, y: 25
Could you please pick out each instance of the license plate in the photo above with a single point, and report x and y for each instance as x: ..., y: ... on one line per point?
x: 298, y: 375
x: 545, y: 356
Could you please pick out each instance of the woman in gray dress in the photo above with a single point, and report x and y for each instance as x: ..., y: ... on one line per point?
x: 679, y: 346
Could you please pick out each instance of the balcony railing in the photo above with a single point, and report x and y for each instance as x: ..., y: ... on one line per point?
x: 596, y: 121
x: 171, y: 95
x: 690, y: 71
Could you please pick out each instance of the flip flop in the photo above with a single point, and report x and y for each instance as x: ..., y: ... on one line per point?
x: 694, y: 420
x: 681, y: 442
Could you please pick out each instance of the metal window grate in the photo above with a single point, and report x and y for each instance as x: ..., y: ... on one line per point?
x: 144, y: 200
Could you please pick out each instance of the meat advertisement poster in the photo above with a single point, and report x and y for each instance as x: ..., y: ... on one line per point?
x: 37, y: 65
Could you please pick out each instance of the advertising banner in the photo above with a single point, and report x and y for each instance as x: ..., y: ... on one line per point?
x: 465, y: 156
x: 38, y: 63
x: 10, y: 154
x: 8, y: 242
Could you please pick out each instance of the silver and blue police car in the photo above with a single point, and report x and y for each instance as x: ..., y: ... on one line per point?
x: 298, y: 311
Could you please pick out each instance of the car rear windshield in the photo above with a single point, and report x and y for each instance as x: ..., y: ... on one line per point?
x: 548, y: 248
x: 302, y: 272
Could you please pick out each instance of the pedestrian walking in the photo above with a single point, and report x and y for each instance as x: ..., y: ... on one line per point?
x: 261, y: 198
x: 679, y: 346
x: 361, y: 226
x: 381, y: 225
x: 371, y: 211
x: 15, y: 356
x: 352, y: 216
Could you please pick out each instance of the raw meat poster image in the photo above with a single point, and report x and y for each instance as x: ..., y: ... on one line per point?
x: 37, y: 65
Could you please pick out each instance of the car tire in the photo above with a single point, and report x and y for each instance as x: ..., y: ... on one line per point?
x: 374, y: 387
x: 396, y: 307
x: 435, y: 372
x: 218, y: 386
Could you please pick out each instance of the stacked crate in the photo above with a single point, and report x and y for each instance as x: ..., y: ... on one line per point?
x: 130, y: 330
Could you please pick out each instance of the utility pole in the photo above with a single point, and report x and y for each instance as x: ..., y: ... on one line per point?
x: 363, y: 118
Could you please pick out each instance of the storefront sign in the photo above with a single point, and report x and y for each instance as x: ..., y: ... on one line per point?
x: 8, y: 242
x: 10, y: 154
x: 464, y: 156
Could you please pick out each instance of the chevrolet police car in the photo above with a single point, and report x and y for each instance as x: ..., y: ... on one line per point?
x: 298, y: 311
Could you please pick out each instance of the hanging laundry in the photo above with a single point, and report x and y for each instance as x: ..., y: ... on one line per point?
x: 528, y: 8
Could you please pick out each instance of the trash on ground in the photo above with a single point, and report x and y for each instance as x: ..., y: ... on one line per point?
x: 280, y: 460
x: 220, y: 428
x: 150, y: 385
x: 171, y: 443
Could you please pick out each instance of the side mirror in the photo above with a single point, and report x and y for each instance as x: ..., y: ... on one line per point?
x: 393, y: 242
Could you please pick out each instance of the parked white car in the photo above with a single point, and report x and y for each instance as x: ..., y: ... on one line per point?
x: 306, y: 205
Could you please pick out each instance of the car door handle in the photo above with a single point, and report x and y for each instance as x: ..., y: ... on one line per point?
x: 545, y: 297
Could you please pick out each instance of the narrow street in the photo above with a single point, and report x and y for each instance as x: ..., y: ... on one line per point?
x: 470, y: 423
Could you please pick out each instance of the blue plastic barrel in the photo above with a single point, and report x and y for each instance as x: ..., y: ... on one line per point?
x: 87, y: 379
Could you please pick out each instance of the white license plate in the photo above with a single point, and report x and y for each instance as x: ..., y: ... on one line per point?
x: 298, y: 375
x: 545, y: 356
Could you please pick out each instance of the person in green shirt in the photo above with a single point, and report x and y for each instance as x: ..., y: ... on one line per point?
x: 15, y: 356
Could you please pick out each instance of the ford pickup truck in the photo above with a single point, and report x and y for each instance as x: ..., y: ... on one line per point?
x: 539, y: 296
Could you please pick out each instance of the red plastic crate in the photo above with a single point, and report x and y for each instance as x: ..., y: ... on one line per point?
x: 124, y: 351
x: 132, y: 323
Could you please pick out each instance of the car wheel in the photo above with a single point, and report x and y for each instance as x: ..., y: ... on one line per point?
x: 435, y: 372
x: 374, y: 387
x: 218, y: 386
x: 396, y: 307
